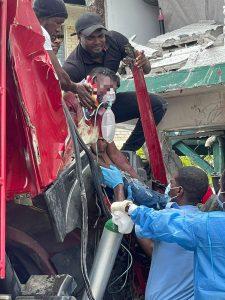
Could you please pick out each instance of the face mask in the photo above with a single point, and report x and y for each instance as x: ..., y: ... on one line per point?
x: 109, y: 97
x: 167, y: 192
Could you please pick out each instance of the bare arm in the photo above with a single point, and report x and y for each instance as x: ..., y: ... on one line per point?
x: 147, y: 245
x: 69, y: 86
x: 143, y: 62
x: 117, y: 157
x: 119, y: 193
x: 64, y: 79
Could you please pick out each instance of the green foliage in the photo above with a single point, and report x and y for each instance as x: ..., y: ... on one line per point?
x: 186, y: 161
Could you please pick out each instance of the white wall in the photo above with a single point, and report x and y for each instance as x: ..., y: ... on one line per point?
x: 131, y: 17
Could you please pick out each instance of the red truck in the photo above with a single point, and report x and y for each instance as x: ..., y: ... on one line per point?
x: 42, y: 247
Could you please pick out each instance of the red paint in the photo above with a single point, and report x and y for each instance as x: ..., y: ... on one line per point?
x: 3, y: 16
x: 33, y: 111
x: 149, y: 127
x: 207, y: 195
x: 37, y: 129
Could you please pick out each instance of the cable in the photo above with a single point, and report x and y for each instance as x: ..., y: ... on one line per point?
x: 95, y: 123
x: 84, y: 231
x: 129, y: 264
x: 94, y: 171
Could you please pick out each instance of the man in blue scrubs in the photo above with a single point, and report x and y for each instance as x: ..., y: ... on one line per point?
x: 171, y: 273
x: 200, y: 232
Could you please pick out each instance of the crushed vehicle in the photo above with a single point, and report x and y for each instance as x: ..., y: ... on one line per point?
x: 53, y: 207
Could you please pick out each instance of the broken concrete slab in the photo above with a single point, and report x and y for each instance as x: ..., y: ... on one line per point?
x: 186, y: 36
x: 149, y: 52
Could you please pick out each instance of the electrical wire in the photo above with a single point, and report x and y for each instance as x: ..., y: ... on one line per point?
x: 94, y: 170
x: 129, y: 264
x: 95, y: 123
x: 84, y: 231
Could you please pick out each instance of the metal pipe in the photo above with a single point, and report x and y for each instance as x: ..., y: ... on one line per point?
x: 104, y: 260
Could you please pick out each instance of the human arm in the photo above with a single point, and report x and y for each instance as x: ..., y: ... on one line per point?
x: 119, y: 159
x: 119, y: 193
x: 67, y: 85
x: 167, y: 225
x: 142, y: 61
x: 64, y: 79
x: 147, y: 246
x: 112, y: 178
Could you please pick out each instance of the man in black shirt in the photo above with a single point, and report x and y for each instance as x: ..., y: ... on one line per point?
x: 101, y: 48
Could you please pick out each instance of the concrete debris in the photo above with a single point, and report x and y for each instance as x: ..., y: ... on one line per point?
x: 198, y: 44
x: 149, y: 52
x: 206, y: 57
x: 173, y: 61
x: 187, y: 35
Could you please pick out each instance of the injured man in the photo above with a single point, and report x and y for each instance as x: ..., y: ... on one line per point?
x: 97, y: 128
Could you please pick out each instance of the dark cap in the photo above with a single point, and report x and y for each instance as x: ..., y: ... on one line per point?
x: 88, y: 23
x: 50, y: 9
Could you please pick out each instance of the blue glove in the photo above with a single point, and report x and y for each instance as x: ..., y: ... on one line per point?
x: 112, y: 176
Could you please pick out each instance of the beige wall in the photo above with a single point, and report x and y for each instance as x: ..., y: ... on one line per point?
x: 74, y: 11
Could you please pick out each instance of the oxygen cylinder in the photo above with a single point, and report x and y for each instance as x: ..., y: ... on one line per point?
x: 104, y: 260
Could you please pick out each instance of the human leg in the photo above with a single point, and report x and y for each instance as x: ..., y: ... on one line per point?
x: 125, y: 108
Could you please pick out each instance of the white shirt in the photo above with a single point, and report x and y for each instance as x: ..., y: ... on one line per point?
x: 48, y: 43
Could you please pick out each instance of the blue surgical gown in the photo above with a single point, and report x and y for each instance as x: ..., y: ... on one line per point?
x: 203, y: 233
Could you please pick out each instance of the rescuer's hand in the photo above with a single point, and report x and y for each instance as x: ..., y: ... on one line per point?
x: 84, y: 92
x: 142, y: 61
x: 111, y: 176
x: 122, y: 206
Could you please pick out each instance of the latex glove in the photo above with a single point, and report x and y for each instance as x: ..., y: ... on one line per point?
x: 123, y: 221
x: 121, y: 206
x: 111, y: 176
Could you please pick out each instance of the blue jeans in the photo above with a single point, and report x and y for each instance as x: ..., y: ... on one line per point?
x: 144, y: 195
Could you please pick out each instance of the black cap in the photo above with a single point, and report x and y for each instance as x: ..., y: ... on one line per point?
x: 50, y: 9
x: 88, y: 23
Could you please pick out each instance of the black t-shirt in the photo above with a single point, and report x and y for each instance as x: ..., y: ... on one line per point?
x: 79, y: 63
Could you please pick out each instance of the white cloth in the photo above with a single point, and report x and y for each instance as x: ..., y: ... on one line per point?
x: 123, y: 221
x: 48, y: 43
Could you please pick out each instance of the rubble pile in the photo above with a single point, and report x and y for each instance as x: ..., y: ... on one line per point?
x: 193, y: 45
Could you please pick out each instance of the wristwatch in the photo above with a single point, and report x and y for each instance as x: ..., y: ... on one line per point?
x: 127, y: 207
